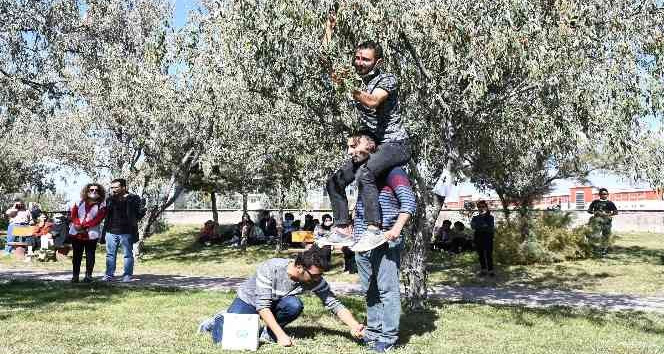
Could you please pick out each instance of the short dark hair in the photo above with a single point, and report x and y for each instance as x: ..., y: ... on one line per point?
x: 364, y: 133
x: 326, y: 216
x: 603, y: 190
x: 122, y: 181
x: 460, y: 224
x: 289, y: 216
x: 447, y: 222
x: 312, y: 257
x: 378, y: 50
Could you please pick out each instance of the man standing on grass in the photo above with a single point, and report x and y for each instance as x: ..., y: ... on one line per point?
x: 125, y: 210
x: 272, y: 294
x: 603, y: 211
x: 379, y: 267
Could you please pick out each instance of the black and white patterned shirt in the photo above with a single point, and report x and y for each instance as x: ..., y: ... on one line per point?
x: 383, y: 121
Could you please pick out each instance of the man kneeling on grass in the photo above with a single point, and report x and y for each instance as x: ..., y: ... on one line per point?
x: 271, y: 294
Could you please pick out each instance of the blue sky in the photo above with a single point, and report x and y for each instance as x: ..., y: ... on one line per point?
x: 181, y: 9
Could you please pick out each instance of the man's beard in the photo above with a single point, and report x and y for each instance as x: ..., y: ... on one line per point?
x: 373, y: 71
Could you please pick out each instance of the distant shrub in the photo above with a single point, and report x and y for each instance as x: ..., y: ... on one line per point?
x: 551, y: 240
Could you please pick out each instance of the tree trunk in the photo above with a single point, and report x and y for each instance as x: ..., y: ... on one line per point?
x: 525, y: 220
x: 244, y: 234
x: 280, y: 221
x: 506, y: 206
x: 213, y: 204
x: 421, y: 232
x: 181, y: 173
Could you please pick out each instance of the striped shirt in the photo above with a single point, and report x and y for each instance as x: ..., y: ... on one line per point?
x: 271, y: 283
x: 395, y: 196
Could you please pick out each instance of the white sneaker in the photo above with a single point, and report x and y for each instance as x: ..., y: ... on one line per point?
x: 336, y: 238
x: 206, y: 326
x: 107, y: 278
x: 369, y: 240
x: 126, y: 279
x: 265, y: 336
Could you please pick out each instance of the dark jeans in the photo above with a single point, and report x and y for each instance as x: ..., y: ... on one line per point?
x: 386, y: 157
x: 90, y: 247
x: 484, y: 245
x: 285, y: 311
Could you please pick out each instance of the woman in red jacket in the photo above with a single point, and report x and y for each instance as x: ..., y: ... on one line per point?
x: 84, y: 231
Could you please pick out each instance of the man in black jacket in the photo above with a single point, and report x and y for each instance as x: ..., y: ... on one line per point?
x: 125, y: 210
x: 603, y: 211
x: 484, y: 230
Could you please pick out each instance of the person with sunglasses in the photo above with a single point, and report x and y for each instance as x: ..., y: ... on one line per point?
x: 603, y: 211
x: 85, y: 229
x: 272, y: 294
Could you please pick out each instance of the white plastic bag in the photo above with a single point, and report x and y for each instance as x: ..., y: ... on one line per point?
x: 240, y: 332
x: 443, y: 187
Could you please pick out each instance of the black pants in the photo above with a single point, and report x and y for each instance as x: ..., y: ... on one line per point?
x: 90, y: 247
x: 326, y: 252
x: 349, y: 260
x: 484, y: 245
x: 386, y: 157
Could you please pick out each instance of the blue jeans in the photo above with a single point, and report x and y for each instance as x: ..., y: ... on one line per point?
x: 286, y: 310
x: 10, y: 238
x: 112, y: 242
x: 379, y: 277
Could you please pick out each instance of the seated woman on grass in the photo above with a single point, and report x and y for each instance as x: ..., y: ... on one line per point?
x: 209, y: 234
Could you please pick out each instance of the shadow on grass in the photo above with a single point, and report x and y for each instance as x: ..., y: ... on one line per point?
x: 417, y: 323
x: 638, y: 254
x: 179, y: 246
x: 412, y: 323
x: 311, y: 332
x: 637, y: 320
x: 460, y: 270
x: 16, y: 295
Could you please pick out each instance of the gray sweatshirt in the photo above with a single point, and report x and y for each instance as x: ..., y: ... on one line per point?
x: 272, y: 282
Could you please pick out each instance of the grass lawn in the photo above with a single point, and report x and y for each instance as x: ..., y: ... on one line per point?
x: 636, y: 265
x: 57, y: 317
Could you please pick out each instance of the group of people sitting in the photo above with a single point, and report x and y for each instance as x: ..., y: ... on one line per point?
x: 452, y: 238
x: 458, y: 239
x: 46, y: 234
x: 263, y: 232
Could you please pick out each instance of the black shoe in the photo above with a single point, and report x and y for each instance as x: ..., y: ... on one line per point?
x: 74, y: 279
x: 87, y: 279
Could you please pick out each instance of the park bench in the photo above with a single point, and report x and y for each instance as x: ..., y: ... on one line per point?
x: 21, y: 233
x: 24, y: 241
